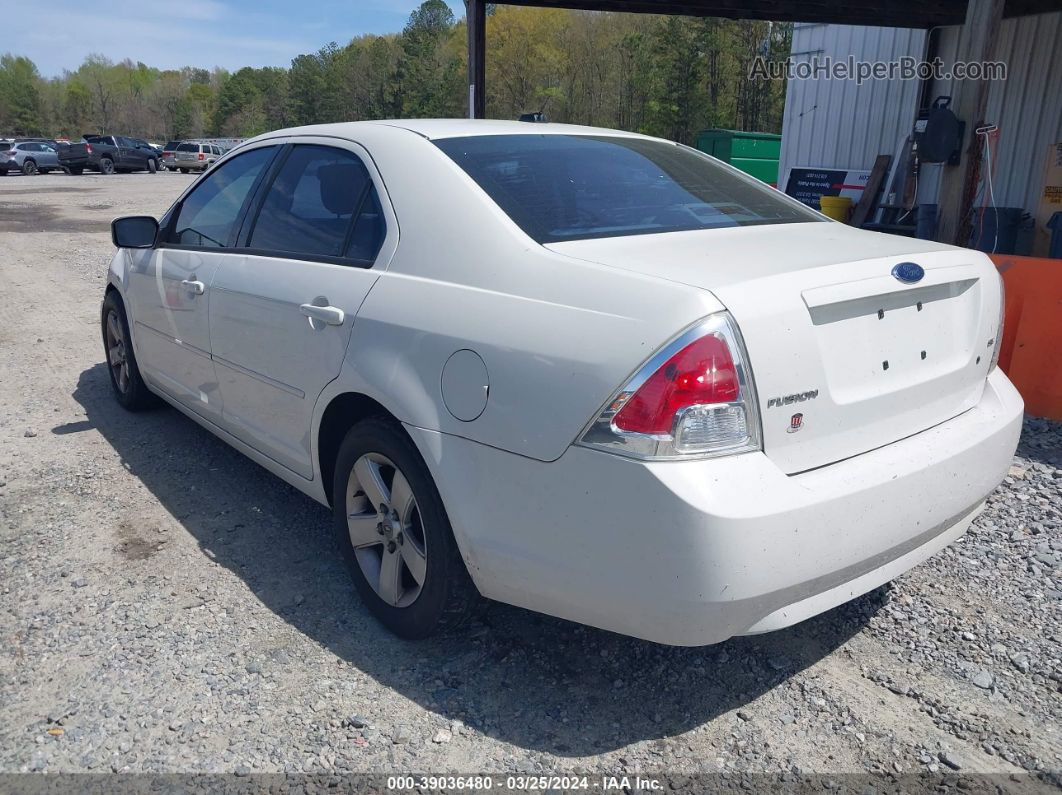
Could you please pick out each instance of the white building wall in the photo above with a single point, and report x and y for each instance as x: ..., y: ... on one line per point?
x: 1027, y: 107
x: 837, y: 124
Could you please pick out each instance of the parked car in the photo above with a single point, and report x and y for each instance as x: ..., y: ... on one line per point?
x: 169, y: 154
x: 193, y: 156
x: 599, y: 375
x: 108, y: 154
x: 29, y: 157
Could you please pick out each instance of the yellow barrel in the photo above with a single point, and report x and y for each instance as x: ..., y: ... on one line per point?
x: 836, y: 207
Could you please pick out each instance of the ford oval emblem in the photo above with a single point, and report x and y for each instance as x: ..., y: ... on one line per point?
x: 908, y: 272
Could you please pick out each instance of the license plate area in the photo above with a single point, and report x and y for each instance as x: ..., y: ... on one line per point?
x: 885, y: 342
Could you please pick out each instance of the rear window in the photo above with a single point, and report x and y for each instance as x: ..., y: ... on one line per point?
x: 574, y: 187
x: 98, y: 139
x: 188, y: 148
x: 171, y: 146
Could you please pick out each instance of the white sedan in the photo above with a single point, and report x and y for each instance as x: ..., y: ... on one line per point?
x: 594, y: 374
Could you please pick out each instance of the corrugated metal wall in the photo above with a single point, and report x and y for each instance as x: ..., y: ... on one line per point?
x: 1027, y: 107
x: 837, y: 124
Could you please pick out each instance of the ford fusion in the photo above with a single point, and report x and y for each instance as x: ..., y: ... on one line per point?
x: 590, y: 373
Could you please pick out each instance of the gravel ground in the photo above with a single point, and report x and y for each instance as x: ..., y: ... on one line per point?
x: 168, y: 606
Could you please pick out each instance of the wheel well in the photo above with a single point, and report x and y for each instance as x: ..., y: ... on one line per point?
x: 341, y: 415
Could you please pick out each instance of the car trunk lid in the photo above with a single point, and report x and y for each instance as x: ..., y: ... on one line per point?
x: 845, y: 356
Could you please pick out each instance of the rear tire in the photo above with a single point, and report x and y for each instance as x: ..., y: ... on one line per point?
x: 129, y: 388
x: 183, y: 170
x: 75, y: 171
x: 152, y: 166
x: 29, y: 168
x: 106, y: 165
x: 430, y: 590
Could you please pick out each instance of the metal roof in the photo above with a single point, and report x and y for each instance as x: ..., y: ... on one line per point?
x: 887, y: 13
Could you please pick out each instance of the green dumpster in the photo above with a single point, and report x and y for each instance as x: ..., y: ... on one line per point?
x: 754, y: 153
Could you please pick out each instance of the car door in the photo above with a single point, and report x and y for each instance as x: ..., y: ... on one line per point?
x: 130, y: 154
x: 170, y: 286
x: 49, y: 156
x: 281, y: 315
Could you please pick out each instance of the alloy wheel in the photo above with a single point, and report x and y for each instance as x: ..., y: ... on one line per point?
x: 385, y: 530
x: 117, y: 358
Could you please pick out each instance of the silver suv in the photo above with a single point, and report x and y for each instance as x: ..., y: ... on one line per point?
x: 28, y: 157
x: 193, y: 156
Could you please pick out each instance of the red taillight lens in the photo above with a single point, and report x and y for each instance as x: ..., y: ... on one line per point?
x: 202, y: 156
x: 88, y: 149
x: 693, y: 399
x: 701, y: 373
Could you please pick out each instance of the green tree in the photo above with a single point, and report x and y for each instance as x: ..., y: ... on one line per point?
x: 20, y: 100
x: 428, y: 72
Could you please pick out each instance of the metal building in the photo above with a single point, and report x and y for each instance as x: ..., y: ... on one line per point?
x: 839, y: 124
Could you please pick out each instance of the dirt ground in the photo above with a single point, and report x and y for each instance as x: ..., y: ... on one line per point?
x: 167, y: 605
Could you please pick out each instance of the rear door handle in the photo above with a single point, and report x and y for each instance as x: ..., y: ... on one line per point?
x: 196, y: 287
x: 332, y: 315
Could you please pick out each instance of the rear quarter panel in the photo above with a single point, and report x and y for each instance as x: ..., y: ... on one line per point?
x: 558, y: 336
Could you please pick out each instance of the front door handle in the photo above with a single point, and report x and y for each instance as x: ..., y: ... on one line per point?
x: 196, y: 287
x: 332, y: 315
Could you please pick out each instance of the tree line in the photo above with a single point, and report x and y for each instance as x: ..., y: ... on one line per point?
x: 661, y: 75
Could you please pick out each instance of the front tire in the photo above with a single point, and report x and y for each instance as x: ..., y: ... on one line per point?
x: 395, y: 536
x: 75, y: 171
x: 183, y: 170
x: 129, y: 388
x: 152, y: 166
x: 29, y: 168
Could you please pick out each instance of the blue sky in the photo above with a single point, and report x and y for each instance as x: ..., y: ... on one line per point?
x: 206, y: 33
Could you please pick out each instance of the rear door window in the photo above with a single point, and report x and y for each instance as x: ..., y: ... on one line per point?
x: 316, y: 205
x: 208, y: 215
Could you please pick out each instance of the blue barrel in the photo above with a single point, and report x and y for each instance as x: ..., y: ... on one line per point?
x: 927, y: 222
x: 996, y: 230
x: 1054, y: 250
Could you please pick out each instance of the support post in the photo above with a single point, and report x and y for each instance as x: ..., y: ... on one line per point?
x: 476, y: 19
x: 969, y: 101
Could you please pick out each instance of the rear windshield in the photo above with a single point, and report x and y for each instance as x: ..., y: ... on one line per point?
x: 98, y: 139
x: 573, y: 187
x: 172, y: 145
x: 188, y: 148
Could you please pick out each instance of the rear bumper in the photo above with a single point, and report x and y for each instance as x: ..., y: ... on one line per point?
x: 691, y: 553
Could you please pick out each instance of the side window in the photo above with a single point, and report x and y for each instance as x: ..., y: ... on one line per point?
x: 311, y: 203
x: 369, y: 230
x: 208, y: 215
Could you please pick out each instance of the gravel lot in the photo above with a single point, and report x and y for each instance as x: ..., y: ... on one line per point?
x: 167, y: 605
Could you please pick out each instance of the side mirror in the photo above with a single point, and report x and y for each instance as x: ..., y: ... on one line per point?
x: 134, y: 231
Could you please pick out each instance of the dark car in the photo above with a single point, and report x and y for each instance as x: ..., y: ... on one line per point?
x: 108, y: 154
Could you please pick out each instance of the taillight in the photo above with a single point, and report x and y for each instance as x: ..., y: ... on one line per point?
x: 693, y: 399
x: 202, y: 156
x: 997, y: 340
x: 88, y: 149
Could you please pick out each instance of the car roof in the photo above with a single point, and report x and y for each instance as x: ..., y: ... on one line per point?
x: 435, y: 129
